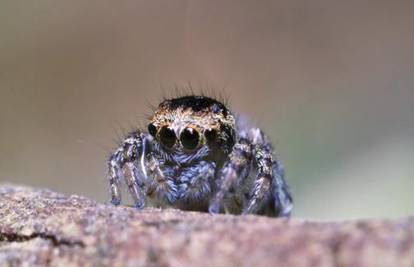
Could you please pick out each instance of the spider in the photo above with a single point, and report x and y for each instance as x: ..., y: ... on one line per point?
x: 197, y: 155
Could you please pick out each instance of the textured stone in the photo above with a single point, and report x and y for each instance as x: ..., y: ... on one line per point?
x: 42, y: 228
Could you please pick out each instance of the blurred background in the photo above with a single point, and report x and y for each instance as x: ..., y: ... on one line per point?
x: 331, y: 82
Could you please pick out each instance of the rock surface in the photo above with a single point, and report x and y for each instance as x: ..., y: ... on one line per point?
x: 44, y: 228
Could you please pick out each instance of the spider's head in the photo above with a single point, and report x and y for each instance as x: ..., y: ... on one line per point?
x: 187, y: 124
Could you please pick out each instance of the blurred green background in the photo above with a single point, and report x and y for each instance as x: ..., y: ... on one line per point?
x: 331, y: 82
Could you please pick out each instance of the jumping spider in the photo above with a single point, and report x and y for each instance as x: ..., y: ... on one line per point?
x: 197, y: 155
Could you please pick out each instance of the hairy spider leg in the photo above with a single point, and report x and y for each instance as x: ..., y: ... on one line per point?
x: 134, y: 185
x: 127, y: 155
x: 196, y: 181
x: 260, y: 193
x: 269, y: 180
x: 282, y: 197
x: 162, y: 180
x: 236, y: 169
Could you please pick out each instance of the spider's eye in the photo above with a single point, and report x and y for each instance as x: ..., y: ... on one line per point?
x: 167, y: 137
x: 210, y: 134
x: 152, y: 129
x: 189, y: 138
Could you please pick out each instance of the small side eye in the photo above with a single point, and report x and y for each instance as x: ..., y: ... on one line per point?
x: 189, y: 138
x: 210, y: 134
x: 167, y: 137
x: 152, y: 129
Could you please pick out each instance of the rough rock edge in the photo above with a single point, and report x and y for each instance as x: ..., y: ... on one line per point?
x: 39, y: 227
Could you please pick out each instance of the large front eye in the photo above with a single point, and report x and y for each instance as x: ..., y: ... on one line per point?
x: 189, y: 138
x: 167, y: 137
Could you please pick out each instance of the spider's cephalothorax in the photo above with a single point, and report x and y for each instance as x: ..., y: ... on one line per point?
x: 197, y: 156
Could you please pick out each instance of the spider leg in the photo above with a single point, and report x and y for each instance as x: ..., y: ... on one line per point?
x: 269, y: 181
x: 282, y: 197
x: 127, y: 155
x: 162, y: 183
x: 262, y: 186
x: 236, y: 169
x: 196, y: 181
x: 134, y: 185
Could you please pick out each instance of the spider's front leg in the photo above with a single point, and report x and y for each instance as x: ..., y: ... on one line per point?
x: 196, y: 181
x: 234, y: 171
x: 131, y: 154
x: 269, y: 183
